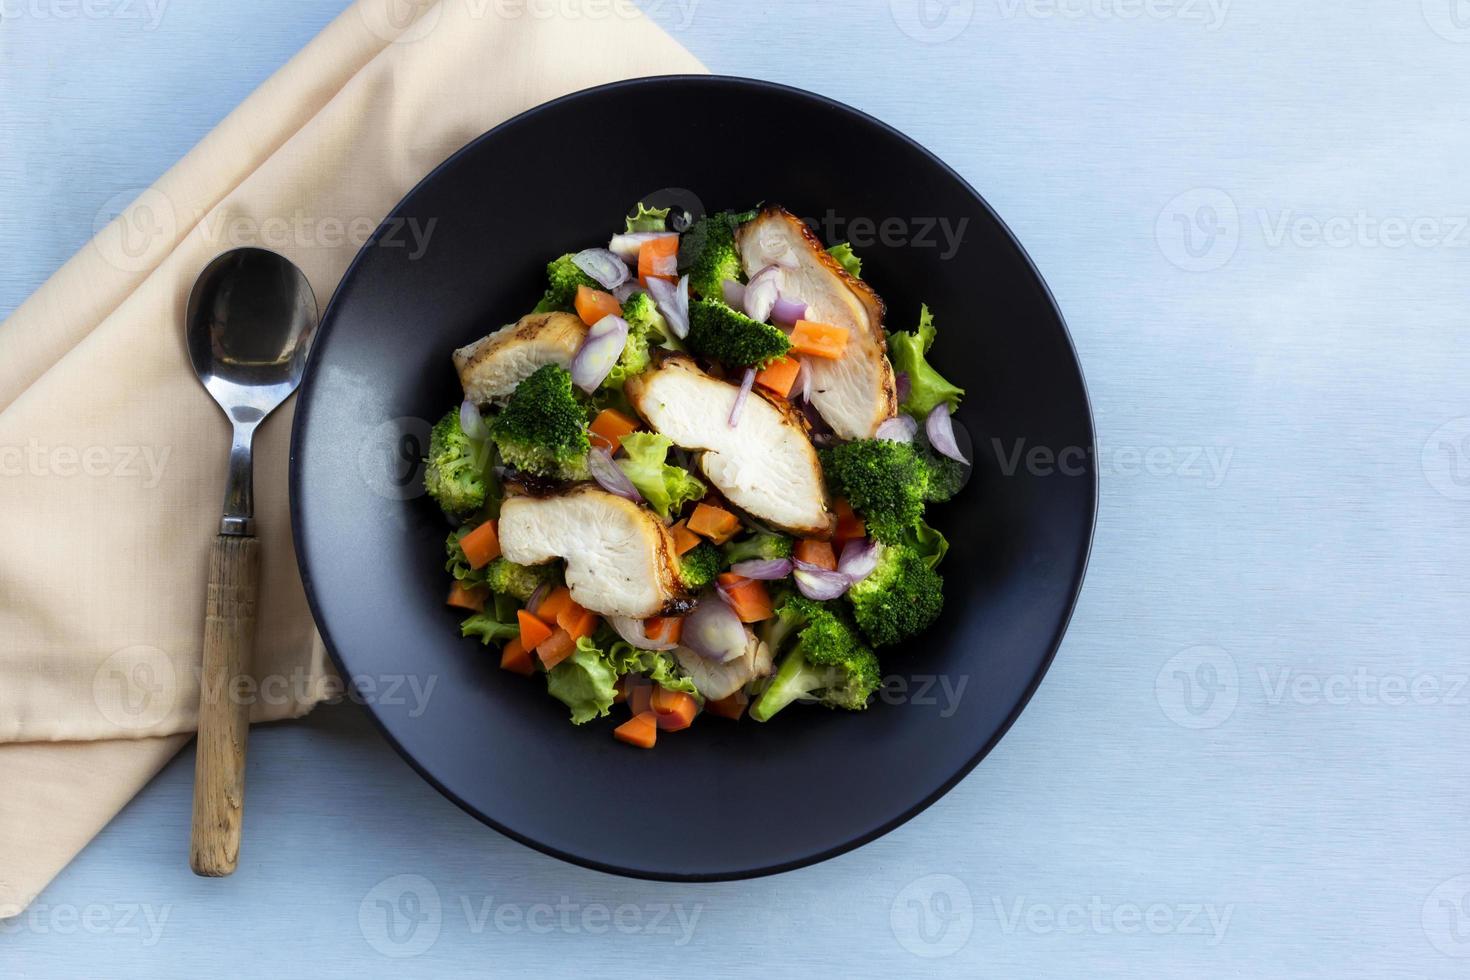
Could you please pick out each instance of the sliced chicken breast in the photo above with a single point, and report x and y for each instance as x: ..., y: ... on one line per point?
x: 621, y: 560
x: 855, y: 393
x: 766, y: 465
x: 720, y: 680
x: 492, y: 366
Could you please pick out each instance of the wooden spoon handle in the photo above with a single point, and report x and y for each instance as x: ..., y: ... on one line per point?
x: 224, y: 719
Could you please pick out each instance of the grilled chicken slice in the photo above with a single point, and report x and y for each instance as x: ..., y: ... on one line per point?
x: 766, y: 465
x: 621, y: 560
x: 492, y: 366
x: 856, y: 392
x: 720, y: 680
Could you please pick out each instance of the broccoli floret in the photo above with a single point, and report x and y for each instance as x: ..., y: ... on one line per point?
x: 454, y: 472
x: 708, y: 252
x: 699, y: 565
x: 507, y: 578
x: 642, y: 315
x: 543, y: 428
x: 927, y: 387
x: 563, y: 278
x: 828, y: 660
x: 884, y: 480
x: 725, y: 334
x: 901, y: 597
x: 648, y: 219
x: 946, y: 477
x: 666, y: 488
x: 762, y: 544
x: 645, y: 326
x: 847, y: 258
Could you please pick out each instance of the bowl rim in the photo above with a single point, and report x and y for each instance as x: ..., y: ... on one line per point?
x: 305, y: 395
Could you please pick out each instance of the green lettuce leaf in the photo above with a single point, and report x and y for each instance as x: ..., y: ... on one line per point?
x: 927, y: 387
x: 659, y: 667
x: 665, y: 487
x: 848, y: 259
x: 584, y: 682
x: 648, y: 219
x: 930, y: 544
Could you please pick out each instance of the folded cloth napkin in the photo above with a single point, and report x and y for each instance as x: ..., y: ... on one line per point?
x: 112, y: 458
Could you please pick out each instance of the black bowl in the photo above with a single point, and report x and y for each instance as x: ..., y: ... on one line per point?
x: 464, y: 253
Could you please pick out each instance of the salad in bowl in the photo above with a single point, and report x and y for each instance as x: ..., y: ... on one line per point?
x: 693, y: 478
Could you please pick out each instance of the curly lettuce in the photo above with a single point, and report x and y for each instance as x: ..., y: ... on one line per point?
x: 585, y: 682
x: 847, y: 258
x: 666, y: 488
x: 927, y: 387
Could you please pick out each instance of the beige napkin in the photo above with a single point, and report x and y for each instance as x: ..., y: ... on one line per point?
x: 112, y: 456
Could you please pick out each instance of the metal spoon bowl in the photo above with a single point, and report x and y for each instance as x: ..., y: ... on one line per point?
x: 249, y: 325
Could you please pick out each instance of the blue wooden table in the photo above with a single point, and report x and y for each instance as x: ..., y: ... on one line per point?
x: 1249, y: 756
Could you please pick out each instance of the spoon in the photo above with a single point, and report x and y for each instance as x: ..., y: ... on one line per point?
x: 249, y: 327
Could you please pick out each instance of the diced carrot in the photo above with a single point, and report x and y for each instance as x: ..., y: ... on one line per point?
x: 850, y: 527
x: 516, y: 658
x: 748, y: 597
x: 664, y: 629
x: 609, y: 428
x: 557, y: 648
x: 557, y: 601
x: 673, y: 711
x: 684, y: 539
x: 533, y: 631
x: 471, y: 598
x: 658, y: 258
x: 640, y: 693
x: 779, y: 375
x: 715, y: 523
x: 577, y: 621
x: 621, y: 687
x: 640, y: 730
x: 816, y: 553
x: 731, y: 707
x: 818, y: 339
x: 593, y: 304
x: 482, y: 545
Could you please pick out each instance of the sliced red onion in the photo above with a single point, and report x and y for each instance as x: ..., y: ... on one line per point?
x: 787, y: 311
x: 610, y: 475
x: 901, y: 386
x: 634, y: 632
x: 803, y: 382
x: 713, y: 631
x: 602, y: 265
x: 763, y: 569
x: 673, y: 303
x: 534, y: 603
x: 472, y: 422
x: 817, y: 583
x: 741, y: 398
x: 600, y: 352
x: 734, y: 293
x: 900, y: 428
x: 858, y: 560
x: 626, y: 246
x: 621, y: 293
x: 940, y: 429
x: 762, y: 292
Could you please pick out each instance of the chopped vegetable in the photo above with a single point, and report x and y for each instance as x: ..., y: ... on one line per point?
x: 664, y: 629
x: 673, y: 711
x: 641, y: 730
x: 666, y: 488
x: 762, y: 544
x: 848, y: 259
x: 454, y: 472
x: 609, y: 428
x: 471, y: 597
x: 563, y: 278
x: 582, y: 680
x: 684, y: 539
x: 708, y: 252
x: 900, y: 598
x: 714, y: 523
x: 482, y: 545
x: 779, y: 375
x: 927, y: 387
x: 543, y: 428
x: 732, y: 706
x: 699, y: 566
x: 488, y: 627
x: 828, y: 661
x: 515, y: 658
x: 849, y: 526
x: 594, y: 304
x: 533, y: 632
x: 556, y: 648
x: 884, y: 480
x: 819, y: 339
x: 717, y: 331
x: 817, y: 553
x: 659, y: 258
x: 647, y: 219
x: 556, y: 602
x: 505, y: 577
x: 748, y: 597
